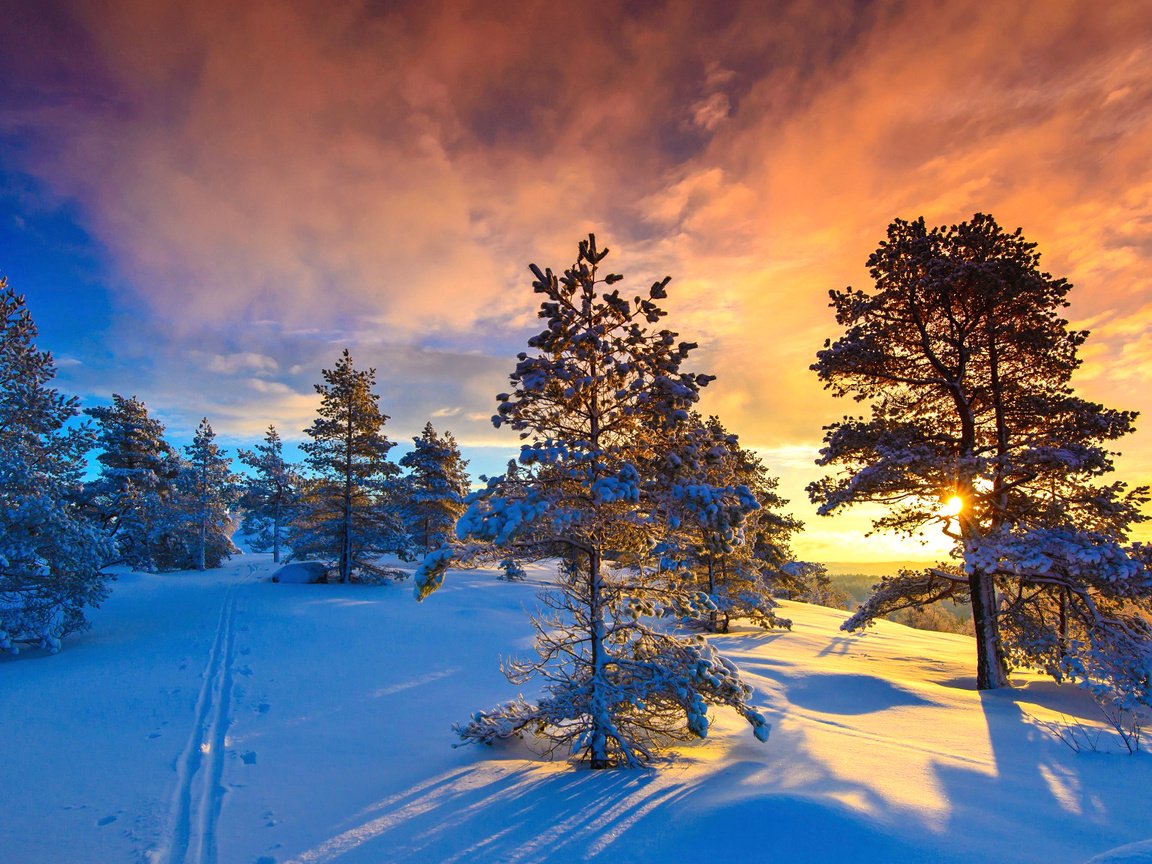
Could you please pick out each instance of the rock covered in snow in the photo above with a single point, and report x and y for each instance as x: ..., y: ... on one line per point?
x: 301, y: 572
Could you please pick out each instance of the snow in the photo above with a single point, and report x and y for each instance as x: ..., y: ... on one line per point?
x: 220, y: 717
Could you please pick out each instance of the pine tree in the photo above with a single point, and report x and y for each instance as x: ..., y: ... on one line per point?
x: 740, y: 556
x: 348, y: 507
x: 51, y: 557
x: 138, y: 470
x: 208, y: 490
x: 599, y: 402
x: 435, y: 488
x: 966, y: 361
x: 271, y: 494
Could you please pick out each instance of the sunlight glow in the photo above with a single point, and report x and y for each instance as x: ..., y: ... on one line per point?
x: 953, y: 506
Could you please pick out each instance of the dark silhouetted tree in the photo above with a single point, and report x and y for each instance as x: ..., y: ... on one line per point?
x: 961, y: 352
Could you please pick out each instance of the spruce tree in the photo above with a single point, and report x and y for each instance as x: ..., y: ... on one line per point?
x: 739, y: 556
x: 208, y: 489
x: 51, y: 557
x: 270, y: 494
x: 599, y: 401
x: 348, y: 508
x: 138, y: 468
x: 434, y: 488
x: 963, y: 356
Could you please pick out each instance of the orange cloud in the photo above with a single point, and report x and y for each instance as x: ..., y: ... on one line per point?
x: 382, y: 178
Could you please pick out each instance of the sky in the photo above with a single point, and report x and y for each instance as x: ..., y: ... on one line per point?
x: 205, y: 202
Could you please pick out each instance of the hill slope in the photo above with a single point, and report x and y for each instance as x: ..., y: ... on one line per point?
x: 218, y: 717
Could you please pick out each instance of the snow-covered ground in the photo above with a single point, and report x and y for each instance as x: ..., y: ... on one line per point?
x: 219, y: 717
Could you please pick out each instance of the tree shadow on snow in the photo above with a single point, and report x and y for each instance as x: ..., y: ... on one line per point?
x: 1089, y: 795
x: 517, y: 812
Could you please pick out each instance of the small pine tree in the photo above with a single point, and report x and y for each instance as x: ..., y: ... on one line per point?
x: 51, y: 557
x: 739, y: 553
x: 137, y: 474
x: 348, y: 507
x: 270, y: 494
x: 208, y: 491
x: 599, y: 401
x: 435, y: 488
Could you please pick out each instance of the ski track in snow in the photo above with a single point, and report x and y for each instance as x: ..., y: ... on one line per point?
x: 199, y: 770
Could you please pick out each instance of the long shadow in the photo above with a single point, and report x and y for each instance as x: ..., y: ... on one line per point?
x: 1096, y: 798
x: 515, y: 812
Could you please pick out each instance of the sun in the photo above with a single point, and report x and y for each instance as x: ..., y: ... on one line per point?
x: 953, y: 506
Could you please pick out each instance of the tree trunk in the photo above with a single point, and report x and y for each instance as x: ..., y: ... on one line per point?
x: 346, y: 525
x: 276, y: 534
x: 714, y: 615
x: 991, y: 670
x: 598, y: 746
x: 202, y: 563
x: 1063, y: 623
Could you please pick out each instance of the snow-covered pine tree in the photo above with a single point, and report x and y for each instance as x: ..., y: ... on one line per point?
x: 208, y: 489
x: 966, y: 361
x: 270, y: 494
x: 739, y: 555
x: 50, y: 555
x: 138, y: 468
x: 434, y: 488
x: 599, y: 401
x: 348, y: 508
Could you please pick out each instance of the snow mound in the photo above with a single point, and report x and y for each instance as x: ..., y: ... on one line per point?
x: 305, y: 572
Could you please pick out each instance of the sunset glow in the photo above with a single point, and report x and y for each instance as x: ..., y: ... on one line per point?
x: 953, y: 506
x: 206, y: 202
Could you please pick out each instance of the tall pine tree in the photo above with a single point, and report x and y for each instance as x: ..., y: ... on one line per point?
x: 50, y: 555
x: 963, y: 355
x: 599, y: 401
x: 347, y: 512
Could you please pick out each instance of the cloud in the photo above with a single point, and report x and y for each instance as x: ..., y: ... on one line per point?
x: 274, y: 181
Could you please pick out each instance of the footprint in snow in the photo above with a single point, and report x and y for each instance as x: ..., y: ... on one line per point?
x: 107, y: 820
x: 263, y: 707
x: 248, y: 758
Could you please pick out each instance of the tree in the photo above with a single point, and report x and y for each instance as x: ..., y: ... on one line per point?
x: 598, y: 403
x: 51, y: 557
x: 270, y: 495
x: 138, y: 470
x: 348, y: 509
x: 740, y: 556
x: 435, y: 488
x: 209, y: 491
x: 966, y: 362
